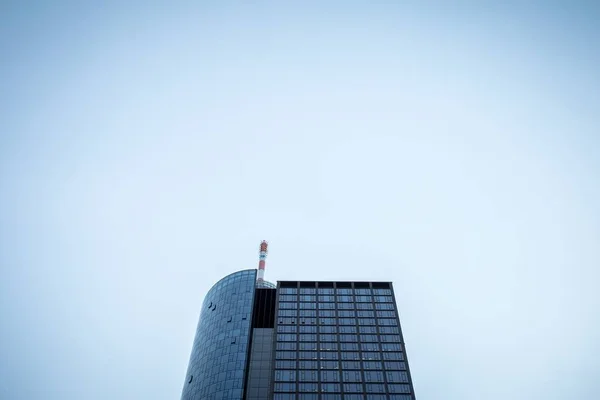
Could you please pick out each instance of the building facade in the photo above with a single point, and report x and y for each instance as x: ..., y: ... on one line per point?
x: 298, y: 340
x: 220, y: 352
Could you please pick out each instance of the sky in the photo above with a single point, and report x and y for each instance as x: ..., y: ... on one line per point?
x: 452, y: 148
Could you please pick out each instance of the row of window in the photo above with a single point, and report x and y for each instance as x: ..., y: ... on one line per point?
x: 335, y: 329
x: 337, y: 388
x: 331, y: 337
x: 341, y: 306
x: 294, y: 313
x: 331, y: 306
x: 339, y: 321
x: 391, y: 351
x: 313, y: 396
x: 346, y: 365
x: 344, y: 376
x: 330, y: 291
x: 340, y: 298
x: 327, y: 346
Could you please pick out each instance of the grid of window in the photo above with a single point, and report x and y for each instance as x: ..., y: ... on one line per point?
x: 218, y: 359
x: 347, y: 344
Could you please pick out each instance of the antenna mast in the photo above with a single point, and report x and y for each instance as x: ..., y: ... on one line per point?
x: 261, y: 260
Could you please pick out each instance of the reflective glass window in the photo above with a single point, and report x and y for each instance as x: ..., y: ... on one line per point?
x: 285, y: 364
x: 307, y: 329
x: 286, y: 346
x: 308, y: 387
x: 327, y: 329
x: 351, y: 365
x: 368, y: 338
x: 369, y: 346
x: 349, y: 346
x: 326, y: 364
x: 309, y: 376
x: 328, y: 291
x: 329, y: 388
x: 331, y: 346
x: 285, y: 375
x: 348, y: 338
x: 286, y: 337
x: 287, y: 328
x: 390, y: 338
x: 395, y: 365
x: 308, y: 346
x: 285, y: 387
x: 375, y: 388
x: 330, y: 376
x: 398, y: 388
x: 309, y: 364
x: 352, y: 376
x: 373, y: 376
x: 391, y: 347
x: 288, y: 313
x: 366, y: 313
x: 307, y: 355
x: 285, y: 355
x: 326, y: 298
x: 371, y: 356
x: 393, y: 356
x: 350, y: 355
x: 386, y: 292
x: 385, y: 314
x: 396, y: 376
x: 328, y: 355
x: 370, y: 365
x: 308, y: 337
x: 284, y: 396
x: 327, y: 306
x: 327, y: 313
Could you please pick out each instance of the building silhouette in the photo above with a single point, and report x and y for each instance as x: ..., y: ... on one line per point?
x: 298, y: 340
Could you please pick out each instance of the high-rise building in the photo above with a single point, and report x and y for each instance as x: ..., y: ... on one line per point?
x: 298, y: 340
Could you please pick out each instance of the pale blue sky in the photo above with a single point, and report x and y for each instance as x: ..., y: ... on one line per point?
x: 146, y: 150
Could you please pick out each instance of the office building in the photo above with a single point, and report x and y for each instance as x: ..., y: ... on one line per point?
x: 298, y: 340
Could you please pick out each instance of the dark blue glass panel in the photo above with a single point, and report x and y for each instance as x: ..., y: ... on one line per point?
x: 218, y: 359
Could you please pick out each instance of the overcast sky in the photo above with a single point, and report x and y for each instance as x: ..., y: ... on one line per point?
x: 145, y: 151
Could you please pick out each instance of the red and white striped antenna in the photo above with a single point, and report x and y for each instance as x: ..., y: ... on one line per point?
x: 261, y: 260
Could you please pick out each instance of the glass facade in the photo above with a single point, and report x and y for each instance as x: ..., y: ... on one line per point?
x: 219, y: 354
x: 298, y: 341
x: 339, y: 343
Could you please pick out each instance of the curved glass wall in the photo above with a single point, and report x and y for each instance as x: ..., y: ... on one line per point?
x: 216, y: 368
